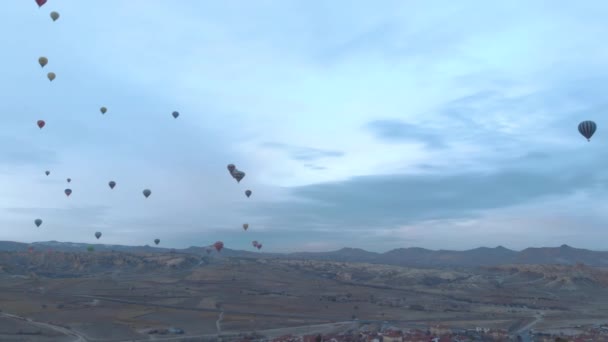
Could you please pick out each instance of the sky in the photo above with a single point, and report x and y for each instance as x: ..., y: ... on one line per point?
x: 444, y: 125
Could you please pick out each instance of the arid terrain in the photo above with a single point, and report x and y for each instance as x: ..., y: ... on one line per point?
x: 122, y: 296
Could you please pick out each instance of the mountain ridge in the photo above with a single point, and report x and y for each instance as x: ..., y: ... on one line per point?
x: 411, y: 256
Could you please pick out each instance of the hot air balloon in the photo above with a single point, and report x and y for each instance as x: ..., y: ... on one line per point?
x: 43, y: 61
x: 51, y: 76
x: 69, y: 180
x: 40, y: 2
x: 231, y: 168
x: 97, y: 235
x: 112, y: 184
x: 259, y: 246
x: 68, y: 192
x: 54, y: 16
x: 40, y: 123
x: 175, y: 114
x: 156, y: 241
x: 254, y: 243
x: 238, y: 175
x: 47, y: 172
x: 103, y: 110
x: 38, y: 222
x: 587, y: 129
x: 218, y: 246
x: 245, y: 226
x: 247, y: 193
x: 147, y: 192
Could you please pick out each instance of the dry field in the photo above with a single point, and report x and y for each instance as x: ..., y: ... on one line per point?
x: 258, y: 295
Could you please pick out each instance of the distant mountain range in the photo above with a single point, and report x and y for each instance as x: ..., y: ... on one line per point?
x: 412, y: 257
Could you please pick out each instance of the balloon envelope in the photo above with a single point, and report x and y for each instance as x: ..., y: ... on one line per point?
x: 38, y: 222
x: 245, y: 226
x: 254, y: 243
x: 51, y: 76
x: 147, y: 193
x: 40, y: 123
x: 156, y: 241
x: 238, y: 175
x: 97, y: 235
x: 47, y: 172
x: 69, y: 180
x: 112, y: 184
x: 43, y: 61
x: 587, y: 129
x: 218, y: 246
x: 231, y: 168
x: 40, y: 2
x: 103, y: 110
x: 247, y: 193
x: 175, y: 114
x: 68, y: 192
x: 54, y: 15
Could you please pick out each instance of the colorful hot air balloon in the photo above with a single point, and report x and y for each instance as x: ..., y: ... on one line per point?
x: 147, y: 193
x: 245, y: 226
x: 43, y: 61
x: 97, y: 235
x: 218, y: 246
x: 247, y: 193
x: 254, y: 243
x: 54, y: 16
x: 103, y: 110
x: 231, y: 168
x: 68, y: 192
x: 112, y: 184
x: 38, y: 222
x: 40, y: 2
x: 259, y: 246
x: 587, y: 129
x: 40, y: 123
x: 51, y: 76
x: 157, y: 241
x: 175, y: 114
x: 69, y: 180
x: 47, y: 172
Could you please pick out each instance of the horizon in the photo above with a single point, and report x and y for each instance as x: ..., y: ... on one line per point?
x: 320, y: 251
x: 378, y: 126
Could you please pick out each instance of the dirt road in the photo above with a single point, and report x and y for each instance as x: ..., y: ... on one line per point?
x: 77, y: 337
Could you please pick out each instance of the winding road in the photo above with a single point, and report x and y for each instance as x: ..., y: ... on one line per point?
x: 77, y: 337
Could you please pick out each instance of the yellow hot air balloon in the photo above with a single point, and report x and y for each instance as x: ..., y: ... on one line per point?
x: 43, y: 61
x: 51, y: 76
x: 54, y: 15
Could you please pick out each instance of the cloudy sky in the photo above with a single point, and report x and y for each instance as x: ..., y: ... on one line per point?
x: 446, y: 125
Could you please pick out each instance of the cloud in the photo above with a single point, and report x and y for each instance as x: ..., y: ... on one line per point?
x: 398, y: 131
x: 302, y: 153
x: 377, y: 123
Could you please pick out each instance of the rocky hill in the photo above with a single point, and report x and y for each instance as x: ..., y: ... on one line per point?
x: 67, y: 264
x: 412, y: 257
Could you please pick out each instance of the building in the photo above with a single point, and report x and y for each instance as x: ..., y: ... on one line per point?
x: 392, y: 336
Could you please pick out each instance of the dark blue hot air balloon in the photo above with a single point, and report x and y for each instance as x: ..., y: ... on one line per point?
x: 587, y: 128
